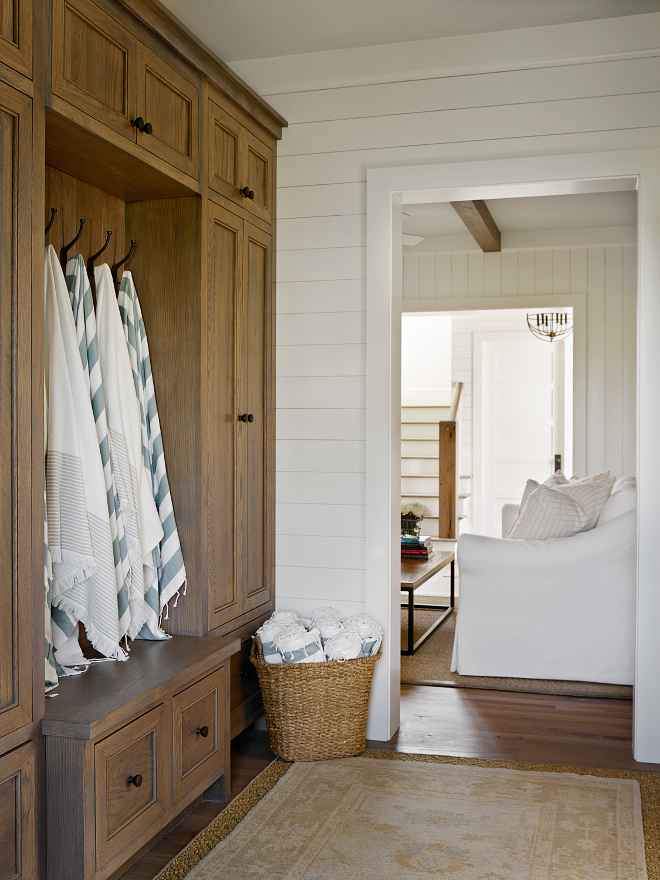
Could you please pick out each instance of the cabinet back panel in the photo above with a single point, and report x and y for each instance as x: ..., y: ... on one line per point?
x: 101, y: 211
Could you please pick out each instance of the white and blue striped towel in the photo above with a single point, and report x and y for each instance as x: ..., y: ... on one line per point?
x: 138, y: 509
x: 80, y: 540
x: 84, y: 318
x: 169, y: 558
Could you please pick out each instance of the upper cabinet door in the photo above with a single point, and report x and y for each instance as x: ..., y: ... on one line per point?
x: 17, y: 652
x: 169, y: 105
x: 94, y: 64
x: 258, y: 435
x: 240, y: 164
x: 257, y: 160
x: 16, y: 34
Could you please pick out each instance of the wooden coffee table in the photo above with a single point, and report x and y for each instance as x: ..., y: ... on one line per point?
x: 414, y: 573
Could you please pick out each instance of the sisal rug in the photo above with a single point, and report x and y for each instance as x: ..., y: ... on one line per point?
x: 395, y: 816
x: 431, y: 664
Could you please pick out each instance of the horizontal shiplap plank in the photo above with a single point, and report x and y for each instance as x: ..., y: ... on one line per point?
x: 321, y: 201
x: 322, y: 232
x: 321, y: 360
x: 474, y: 90
x: 318, y: 328
x: 320, y: 488
x: 329, y: 392
x: 320, y: 264
x: 324, y: 552
x: 321, y: 296
x: 478, y: 123
x: 320, y: 424
x: 340, y: 456
x: 320, y: 519
x: 292, y: 595
x: 344, y: 167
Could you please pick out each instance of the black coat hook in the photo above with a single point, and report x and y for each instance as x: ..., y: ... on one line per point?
x: 90, y: 262
x: 121, y: 262
x: 53, y: 211
x: 67, y: 247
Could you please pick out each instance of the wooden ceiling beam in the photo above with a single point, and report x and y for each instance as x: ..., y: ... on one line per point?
x: 480, y: 224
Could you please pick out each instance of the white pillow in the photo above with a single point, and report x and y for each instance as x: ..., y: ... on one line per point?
x: 556, y: 479
x: 562, y: 511
x: 622, y: 499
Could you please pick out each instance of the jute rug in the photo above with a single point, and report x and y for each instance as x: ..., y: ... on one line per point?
x: 431, y: 664
x: 395, y: 816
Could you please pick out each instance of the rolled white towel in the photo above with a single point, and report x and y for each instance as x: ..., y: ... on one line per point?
x: 329, y: 627
x: 287, y: 617
x: 369, y: 631
x: 324, y: 613
x: 297, y: 645
x: 345, y: 646
x: 268, y: 632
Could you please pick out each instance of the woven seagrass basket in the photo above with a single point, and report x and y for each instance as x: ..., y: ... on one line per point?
x: 315, y: 710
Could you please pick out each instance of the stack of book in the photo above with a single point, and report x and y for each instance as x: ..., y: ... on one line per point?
x: 416, y: 548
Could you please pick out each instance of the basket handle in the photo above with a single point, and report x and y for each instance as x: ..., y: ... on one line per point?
x: 257, y: 651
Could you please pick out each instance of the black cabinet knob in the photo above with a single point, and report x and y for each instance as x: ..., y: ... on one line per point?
x: 250, y: 418
x: 203, y: 731
x: 135, y: 780
x: 247, y: 192
x: 138, y: 123
x: 148, y: 128
x: 246, y: 417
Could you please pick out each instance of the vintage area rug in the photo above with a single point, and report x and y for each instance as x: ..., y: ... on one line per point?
x: 431, y: 664
x: 394, y: 816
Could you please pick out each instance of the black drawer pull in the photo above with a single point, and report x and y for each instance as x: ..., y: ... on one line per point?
x: 141, y: 125
x: 135, y: 780
x: 203, y: 731
x: 247, y: 192
x: 246, y: 417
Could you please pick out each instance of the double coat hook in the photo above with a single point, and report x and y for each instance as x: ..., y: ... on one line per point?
x: 67, y: 247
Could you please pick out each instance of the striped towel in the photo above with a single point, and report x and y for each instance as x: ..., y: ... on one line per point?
x: 83, y: 583
x: 138, y: 509
x: 169, y: 559
x: 82, y: 305
x: 53, y: 669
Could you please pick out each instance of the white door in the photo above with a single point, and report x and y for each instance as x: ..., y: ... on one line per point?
x: 518, y: 419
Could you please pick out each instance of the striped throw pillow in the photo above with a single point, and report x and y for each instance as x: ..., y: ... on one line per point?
x: 562, y: 511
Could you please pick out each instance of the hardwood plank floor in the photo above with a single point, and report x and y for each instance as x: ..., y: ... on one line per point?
x: 499, y: 725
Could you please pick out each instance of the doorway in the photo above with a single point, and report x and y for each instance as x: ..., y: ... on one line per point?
x: 388, y: 190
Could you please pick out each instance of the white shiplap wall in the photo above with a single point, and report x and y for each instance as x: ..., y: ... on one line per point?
x: 606, y: 274
x: 337, y: 130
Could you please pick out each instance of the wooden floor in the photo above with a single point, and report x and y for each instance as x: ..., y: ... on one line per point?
x: 500, y: 725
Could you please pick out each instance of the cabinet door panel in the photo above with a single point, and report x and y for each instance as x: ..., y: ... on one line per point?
x: 15, y: 364
x: 17, y: 808
x: 170, y: 103
x: 258, y: 171
x: 16, y: 34
x: 225, y: 268
x: 224, y: 149
x: 258, y: 436
x: 94, y: 64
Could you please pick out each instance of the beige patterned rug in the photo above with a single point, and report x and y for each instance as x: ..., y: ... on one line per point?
x: 420, y: 816
x: 431, y: 664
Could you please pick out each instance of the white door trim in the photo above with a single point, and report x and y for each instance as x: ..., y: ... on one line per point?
x: 387, y: 190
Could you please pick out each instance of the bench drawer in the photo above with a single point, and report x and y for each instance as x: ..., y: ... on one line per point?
x: 200, y: 714
x: 132, y: 782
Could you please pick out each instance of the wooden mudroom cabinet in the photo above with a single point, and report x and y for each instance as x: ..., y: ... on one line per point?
x: 111, y: 112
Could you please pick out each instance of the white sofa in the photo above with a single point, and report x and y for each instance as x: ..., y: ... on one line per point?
x: 562, y: 608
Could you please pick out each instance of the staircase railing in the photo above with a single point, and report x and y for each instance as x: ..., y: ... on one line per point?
x: 448, y: 470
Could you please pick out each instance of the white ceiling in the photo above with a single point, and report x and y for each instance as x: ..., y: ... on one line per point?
x: 240, y: 30
x: 581, y: 211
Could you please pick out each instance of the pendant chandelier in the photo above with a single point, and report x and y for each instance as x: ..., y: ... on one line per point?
x: 550, y: 326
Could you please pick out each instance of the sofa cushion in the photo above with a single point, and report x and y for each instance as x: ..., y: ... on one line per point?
x: 556, y: 479
x: 562, y: 511
x: 623, y: 498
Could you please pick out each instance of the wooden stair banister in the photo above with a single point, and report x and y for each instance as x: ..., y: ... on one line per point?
x: 448, y: 470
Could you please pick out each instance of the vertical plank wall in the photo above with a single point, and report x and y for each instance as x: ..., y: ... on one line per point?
x: 607, y: 274
x: 337, y: 131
